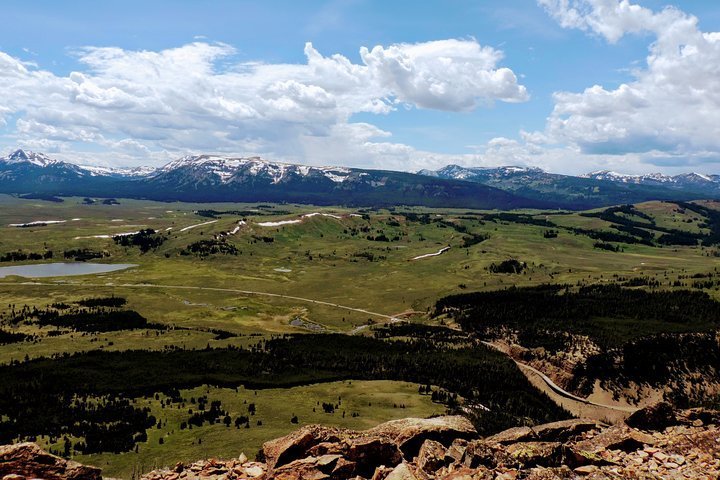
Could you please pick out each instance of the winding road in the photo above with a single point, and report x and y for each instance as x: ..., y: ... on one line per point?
x: 212, y: 289
x: 525, y: 368
x: 550, y: 386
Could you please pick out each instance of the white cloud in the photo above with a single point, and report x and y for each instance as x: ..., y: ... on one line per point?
x: 141, y: 106
x: 670, y: 113
x: 444, y: 75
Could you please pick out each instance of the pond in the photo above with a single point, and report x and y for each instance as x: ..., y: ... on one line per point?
x: 42, y: 270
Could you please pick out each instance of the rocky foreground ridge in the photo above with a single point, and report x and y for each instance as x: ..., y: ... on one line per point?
x: 656, y: 442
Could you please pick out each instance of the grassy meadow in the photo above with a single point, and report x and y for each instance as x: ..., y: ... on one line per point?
x: 359, y: 264
x: 364, y: 403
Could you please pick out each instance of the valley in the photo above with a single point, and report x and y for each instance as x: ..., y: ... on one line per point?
x: 254, y: 295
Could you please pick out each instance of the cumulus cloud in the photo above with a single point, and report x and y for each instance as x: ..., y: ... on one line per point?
x: 670, y: 111
x: 145, y: 105
x: 444, y: 75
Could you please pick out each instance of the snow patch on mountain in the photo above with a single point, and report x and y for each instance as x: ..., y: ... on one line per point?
x: 226, y: 168
x: 653, y: 178
x: 458, y: 172
x: 99, y: 171
x: 21, y: 156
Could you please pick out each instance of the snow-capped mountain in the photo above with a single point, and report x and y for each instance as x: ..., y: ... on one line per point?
x: 586, y: 191
x: 205, y: 178
x: 20, y: 157
x: 101, y: 171
x: 474, y: 173
x: 685, y: 179
x: 248, y: 179
x: 24, y: 167
x: 230, y: 169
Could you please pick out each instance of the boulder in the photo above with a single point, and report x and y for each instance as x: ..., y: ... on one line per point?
x: 381, y: 473
x: 431, y: 456
x: 367, y: 452
x: 331, y: 467
x: 410, y: 433
x: 386, y: 444
x: 616, y: 437
x: 29, y: 460
x: 305, y: 469
x: 482, y: 453
x: 654, y: 418
x: 512, y: 435
x: 559, y: 473
x: 469, y: 474
x: 564, y: 430
x: 343, y: 469
x: 401, y: 472
x: 456, y: 450
x: 529, y: 454
x: 296, y: 445
x: 699, y: 416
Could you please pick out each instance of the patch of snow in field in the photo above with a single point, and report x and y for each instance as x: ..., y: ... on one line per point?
x: 76, y: 219
x: 282, y: 270
x: 168, y: 229
x: 197, y: 225
x: 355, y: 215
x: 237, y: 228
x: 427, y: 255
x: 278, y: 224
x: 315, y: 214
x: 117, y: 220
x: 37, y: 222
x: 112, y: 235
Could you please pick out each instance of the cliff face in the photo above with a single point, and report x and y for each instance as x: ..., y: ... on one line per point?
x: 656, y: 442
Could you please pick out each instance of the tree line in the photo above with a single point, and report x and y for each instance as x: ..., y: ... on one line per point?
x: 36, y: 396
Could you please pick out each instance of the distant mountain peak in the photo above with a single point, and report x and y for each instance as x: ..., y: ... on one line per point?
x: 23, y: 156
x: 99, y: 171
x: 458, y: 172
x: 228, y: 169
x: 691, y: 178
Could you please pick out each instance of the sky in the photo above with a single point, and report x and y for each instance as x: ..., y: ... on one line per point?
x: 570, y: 86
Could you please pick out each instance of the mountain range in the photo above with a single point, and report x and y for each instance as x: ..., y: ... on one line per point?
x: 211, y: 178
x: 590, y: 190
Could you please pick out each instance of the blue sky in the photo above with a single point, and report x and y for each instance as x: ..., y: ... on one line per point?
x: 546, y: 54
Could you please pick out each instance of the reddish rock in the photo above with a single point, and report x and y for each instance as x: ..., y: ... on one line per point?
x: 564, y: 430
x: 29, y: 460
x: 385, y: 444
x: 699, y: 416
x: 410, y: 433
x: 655, y: 417
x: 456, y: 450
x: 402, y: 472
x: 483, y: 453
x: 370, y: 452
x: 296, y: 445
x: 617, y: 437
x: 513, y: 435
x: 431, y: 456
x: 528, y: 454
x: 469, y: 474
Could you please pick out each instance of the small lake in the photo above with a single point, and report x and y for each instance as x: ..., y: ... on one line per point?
x: 42, y: 270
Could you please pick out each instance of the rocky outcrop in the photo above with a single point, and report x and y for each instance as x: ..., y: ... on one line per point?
x: 387, y: 444
x: 27, y: 460
x: 660, y: 444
